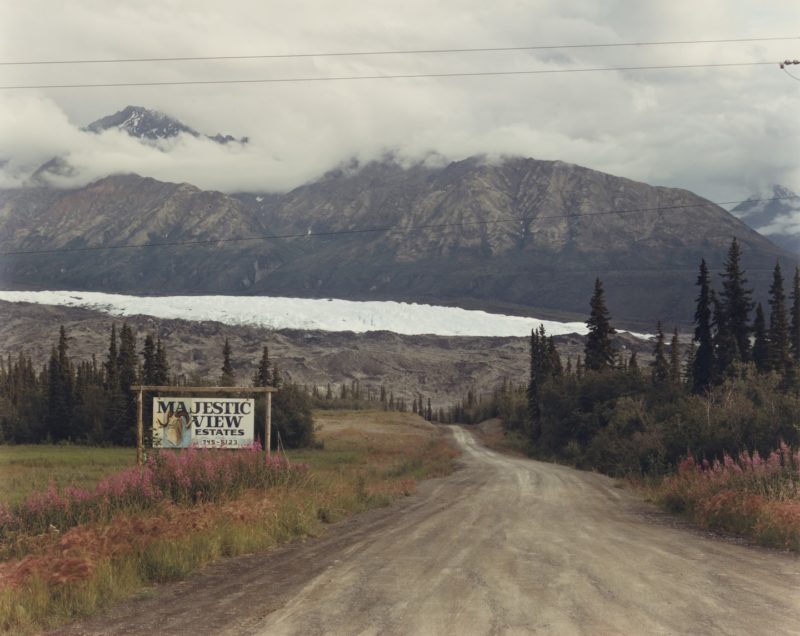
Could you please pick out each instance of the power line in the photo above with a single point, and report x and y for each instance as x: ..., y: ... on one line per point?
x: 344, y: 78
x: 387, y: 229
x: 786, y: 63
x: 273, y: 56
x: 530, y: 271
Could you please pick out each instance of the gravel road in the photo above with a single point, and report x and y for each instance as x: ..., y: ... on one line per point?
x: 503, y: 546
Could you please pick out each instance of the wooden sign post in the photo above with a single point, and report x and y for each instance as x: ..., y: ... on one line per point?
x: 141, y: 388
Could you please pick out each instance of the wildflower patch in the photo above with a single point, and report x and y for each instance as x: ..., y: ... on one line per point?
x: 182, y: 477
x: 749, y: 495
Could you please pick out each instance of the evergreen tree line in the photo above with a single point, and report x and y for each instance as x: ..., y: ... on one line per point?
x: 725, y: 343
x: 506, y: 402
x: 734, y: 387
x: 91, y: 402
x: 357, y: 396
x: 86, y: 402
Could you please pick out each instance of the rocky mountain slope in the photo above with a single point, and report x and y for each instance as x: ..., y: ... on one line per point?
x: 184, y: 224
x: 520, y: 233
x: 775, y: 213
x: 518, y: 236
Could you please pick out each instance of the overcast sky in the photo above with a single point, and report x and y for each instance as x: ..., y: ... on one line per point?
x: 723, y: 133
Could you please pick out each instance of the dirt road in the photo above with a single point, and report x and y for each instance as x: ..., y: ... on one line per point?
x: 503, y: 546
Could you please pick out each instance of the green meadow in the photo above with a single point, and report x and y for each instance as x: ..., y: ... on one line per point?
x: 28, y: 468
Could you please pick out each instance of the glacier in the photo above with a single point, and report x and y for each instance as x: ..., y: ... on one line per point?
x: 305, y: 313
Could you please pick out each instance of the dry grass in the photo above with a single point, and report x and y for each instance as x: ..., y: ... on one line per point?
x: 368, y: 460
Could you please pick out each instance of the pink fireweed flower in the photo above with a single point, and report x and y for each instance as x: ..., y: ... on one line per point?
x: 180, y: 477
x: 774, y: 461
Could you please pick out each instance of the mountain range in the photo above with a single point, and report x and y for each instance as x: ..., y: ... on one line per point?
x: 516, y: 235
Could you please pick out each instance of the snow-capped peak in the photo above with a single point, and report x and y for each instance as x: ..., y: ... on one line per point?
x: 152, y: 125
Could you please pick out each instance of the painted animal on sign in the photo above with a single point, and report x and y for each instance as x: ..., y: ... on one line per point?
x: 175, y: 427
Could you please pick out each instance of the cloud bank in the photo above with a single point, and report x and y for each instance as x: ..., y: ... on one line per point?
x: 723, y: 133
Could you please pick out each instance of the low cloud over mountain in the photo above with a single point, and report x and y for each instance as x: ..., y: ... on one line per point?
x: 775, y: 213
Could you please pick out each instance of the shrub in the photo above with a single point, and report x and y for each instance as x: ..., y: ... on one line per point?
x: 291, y: 417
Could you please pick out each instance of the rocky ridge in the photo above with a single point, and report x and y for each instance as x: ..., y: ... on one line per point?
x: 515, y: 236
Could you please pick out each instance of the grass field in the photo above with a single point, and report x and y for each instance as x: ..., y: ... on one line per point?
x: 366, y: 459
x: 25, y: 469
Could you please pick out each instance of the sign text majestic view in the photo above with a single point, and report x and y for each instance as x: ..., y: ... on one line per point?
x: 180, y: 422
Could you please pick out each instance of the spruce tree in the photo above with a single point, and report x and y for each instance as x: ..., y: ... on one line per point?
x: 726, y: 351
x: 545, y: 364
x: 227, y: 378
x: 535, y: 379
x: 115, y: 401
x: 794, y: 327
x: 277, y: 379
x: 112, y: 362
x: 56, y: 409
x: 779, y: 345
x: 161, y: 371
x: 263, y: 375
x: 675, y: 360
x: 60, y: 397
x: 154, y: 372
x: 67, y: 378
x: 599, y: 353
x: 659, y: 366
x: 149, y: 360
x: 554, y: 368
x: 127, y: 362
x: 688, y: 367
x: 122, y: 430
x: 761, y: 349
x: 736, y: 301
x: 702, y: 370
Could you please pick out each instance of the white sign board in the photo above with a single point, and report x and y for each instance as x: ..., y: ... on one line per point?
x: 207, y: 422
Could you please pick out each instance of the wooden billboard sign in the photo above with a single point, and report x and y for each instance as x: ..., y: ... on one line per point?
x: 224, y: 423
